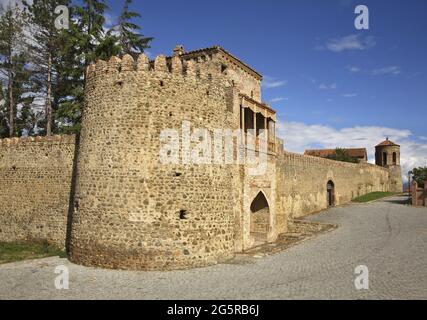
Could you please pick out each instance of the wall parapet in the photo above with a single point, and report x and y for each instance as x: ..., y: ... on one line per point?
x: 63, y: 139
x: 301, y: 159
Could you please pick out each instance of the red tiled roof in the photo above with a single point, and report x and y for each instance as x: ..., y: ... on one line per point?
x: 359, y: 153
x: 221, y: 49
x: 387, y: 142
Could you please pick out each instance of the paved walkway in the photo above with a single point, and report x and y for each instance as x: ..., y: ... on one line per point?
x: 387, y: 236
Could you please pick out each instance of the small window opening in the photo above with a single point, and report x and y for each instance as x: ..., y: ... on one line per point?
x: 183, y: 214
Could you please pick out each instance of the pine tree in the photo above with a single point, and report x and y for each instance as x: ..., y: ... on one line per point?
x: 90, y: 26
x: 130, y: 40
x: 12, y: 21
x: 21, y: 89
x: 83, y: 44
x: 3, y: 112
x: 45, y: 52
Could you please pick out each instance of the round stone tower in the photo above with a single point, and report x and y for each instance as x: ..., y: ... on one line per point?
x: 387, y: 154
x: 140, y: 201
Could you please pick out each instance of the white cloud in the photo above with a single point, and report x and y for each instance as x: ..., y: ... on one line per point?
x: 324, y: 86
x: 351, y: 42
x: 349, y: 95
x: 393, y: 70
x: 353, y: 69
x: 270, y: 82
x: 300, y: 136
x: 110, y: 20
x: 278, y: 99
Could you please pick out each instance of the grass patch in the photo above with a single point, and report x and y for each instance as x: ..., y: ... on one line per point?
x: 12, y: 252
x: 373, y: 196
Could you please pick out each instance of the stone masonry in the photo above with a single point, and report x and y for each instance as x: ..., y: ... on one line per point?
x: 112, y: 202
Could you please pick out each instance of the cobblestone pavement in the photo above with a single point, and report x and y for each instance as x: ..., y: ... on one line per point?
x: 387, y: 236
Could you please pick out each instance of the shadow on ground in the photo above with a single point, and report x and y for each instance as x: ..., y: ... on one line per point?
x: 400, y: 200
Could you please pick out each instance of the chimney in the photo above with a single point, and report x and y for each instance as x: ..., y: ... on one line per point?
x: 178, y: 50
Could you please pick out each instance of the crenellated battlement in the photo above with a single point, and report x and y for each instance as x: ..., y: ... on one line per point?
x: 65, y: 139
x: 161, y: 66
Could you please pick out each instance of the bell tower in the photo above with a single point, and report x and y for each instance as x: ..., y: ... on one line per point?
x: 387, y: 155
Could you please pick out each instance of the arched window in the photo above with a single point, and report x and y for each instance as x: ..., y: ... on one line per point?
x: 394, y: 158
x: 384, y: 158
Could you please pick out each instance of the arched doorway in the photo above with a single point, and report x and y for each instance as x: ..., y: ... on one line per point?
x: 330, y: 187
x: 260, y: 218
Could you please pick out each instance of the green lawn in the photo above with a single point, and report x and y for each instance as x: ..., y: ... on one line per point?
x: 373, y: 196
x: 11, y: 252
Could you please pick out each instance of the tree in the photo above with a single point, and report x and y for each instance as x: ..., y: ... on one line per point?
x: 45, y: 52
x: 130, y: 40
x: 12, y: 21
x: 342, y: 155
x: 90, y: 28
x: 21, y: 93
x: 83, y: 44
x: 420, y: 175
x: 3, y: 112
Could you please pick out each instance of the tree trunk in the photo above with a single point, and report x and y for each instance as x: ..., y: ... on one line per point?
x: 11, y: 108
x: 49, y: 97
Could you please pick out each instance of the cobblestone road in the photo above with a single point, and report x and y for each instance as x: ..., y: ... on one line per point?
x: 387, y: 236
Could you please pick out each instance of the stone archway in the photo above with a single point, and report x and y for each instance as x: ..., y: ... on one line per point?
x: 330, y: 193
x: 260, y: 218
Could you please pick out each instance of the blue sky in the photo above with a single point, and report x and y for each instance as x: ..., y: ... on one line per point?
x: 331, y: 84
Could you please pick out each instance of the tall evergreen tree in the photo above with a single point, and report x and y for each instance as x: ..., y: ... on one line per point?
x: 3, y: 112
x: 21, y: 89
x: 130, y: 40
x: 45, y: 52
x: 83, y: 44
x: 90, y: 27
x: 12, y: 21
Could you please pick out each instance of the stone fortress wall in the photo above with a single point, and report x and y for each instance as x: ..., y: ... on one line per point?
x: 305, y: 178
x: 130, y: 210
x: 114, y: 203
x: 35, y: 186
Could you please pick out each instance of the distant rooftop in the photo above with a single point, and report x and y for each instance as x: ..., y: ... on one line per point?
x: 359, y: 153
x: 387, y: 142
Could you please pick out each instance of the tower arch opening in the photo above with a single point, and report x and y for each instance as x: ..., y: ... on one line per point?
x: 260, y: 218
